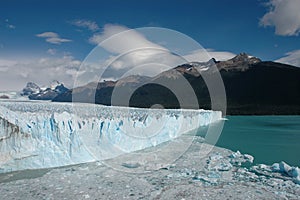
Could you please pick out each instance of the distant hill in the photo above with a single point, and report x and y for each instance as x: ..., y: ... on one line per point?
x: 4, y: 97
x: 253, y: 87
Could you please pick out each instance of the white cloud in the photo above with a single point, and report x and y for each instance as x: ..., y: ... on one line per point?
x: 132, y: 53
x: 53, y: 38
x: 291, y: 58
x: 91, y: 25
x: 138, y: 55
x: 284, y: 15
x: 15, y: 74
x: 10, y: 26
x: 108, y: 31
x: 120, y: 39
x: 204, y: 55
x: 5, y: 64
x: 57, y: 40
x: 51, y: 51
x: 47, y: 35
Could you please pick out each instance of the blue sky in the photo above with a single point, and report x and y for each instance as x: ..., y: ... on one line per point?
x: 61, y: 31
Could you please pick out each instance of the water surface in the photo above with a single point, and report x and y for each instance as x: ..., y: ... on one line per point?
x: 268, y: 138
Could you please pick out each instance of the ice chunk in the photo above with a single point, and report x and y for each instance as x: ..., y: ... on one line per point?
x: 224, y: 166
x: 213, y: 174
x: 238, y: 159
x: 217, y: 162
x: 263, y: 167
x: 236, y: 154
x: 248, y: 158
x: 294, y: 172
x: 284, y: 168
x: 275, y: 167
x: 297, y: 180
x: 216, y: 156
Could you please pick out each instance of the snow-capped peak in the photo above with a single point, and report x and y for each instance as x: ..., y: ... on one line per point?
x: 30, y: 88
x: 34, y: 92
x: 54, y: 84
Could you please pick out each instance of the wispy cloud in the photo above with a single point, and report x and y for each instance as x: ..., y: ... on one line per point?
x: 90, y: 25
x: 51, y: 51
x: 120, y: 39
x: 47, y: 35
x: 53, y: 38
x: 15, y: 73
x: 108, y: 31
x: 115, y: 39
x: 131, y: 52
x: 203, y: 54
x: 9, y: 25
x: 136, y: 49
x: 291, y: 58
x: 284, y: 15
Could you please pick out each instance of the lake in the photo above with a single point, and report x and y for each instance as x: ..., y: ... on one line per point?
x: 268, y: 138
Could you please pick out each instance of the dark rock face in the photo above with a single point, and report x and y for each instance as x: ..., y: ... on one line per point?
x: 240, y: 62
x: 252, y: 87
x: 30, y: 88
x: 60, y: 89
x: 4, y: 97
x: 265, y: 88
x: 34, y: 92
x: 48, y: 93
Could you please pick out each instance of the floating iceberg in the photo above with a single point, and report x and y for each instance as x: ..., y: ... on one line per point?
x: 43, y: 134
x: 285, y: 169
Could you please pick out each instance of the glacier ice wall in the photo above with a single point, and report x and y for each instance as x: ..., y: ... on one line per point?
x: 43, y: 134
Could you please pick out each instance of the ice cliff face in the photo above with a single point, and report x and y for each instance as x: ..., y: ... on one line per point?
x: 42, y: 135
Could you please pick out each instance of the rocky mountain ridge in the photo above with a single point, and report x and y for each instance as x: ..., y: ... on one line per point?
x: 34, y: 92
x: 252, y: 86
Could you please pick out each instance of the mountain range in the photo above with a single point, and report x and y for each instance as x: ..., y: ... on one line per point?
x: 253, y: 87
x: 34, y: 92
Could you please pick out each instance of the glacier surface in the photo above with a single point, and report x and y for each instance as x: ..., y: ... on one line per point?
x: 43, y: 134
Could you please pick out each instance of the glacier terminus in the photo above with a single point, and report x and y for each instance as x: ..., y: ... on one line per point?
x: 37, y: 135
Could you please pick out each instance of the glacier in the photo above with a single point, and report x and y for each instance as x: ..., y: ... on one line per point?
x: 37, y: 135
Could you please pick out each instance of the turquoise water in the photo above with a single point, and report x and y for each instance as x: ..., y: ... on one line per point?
x: 268, y: 138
